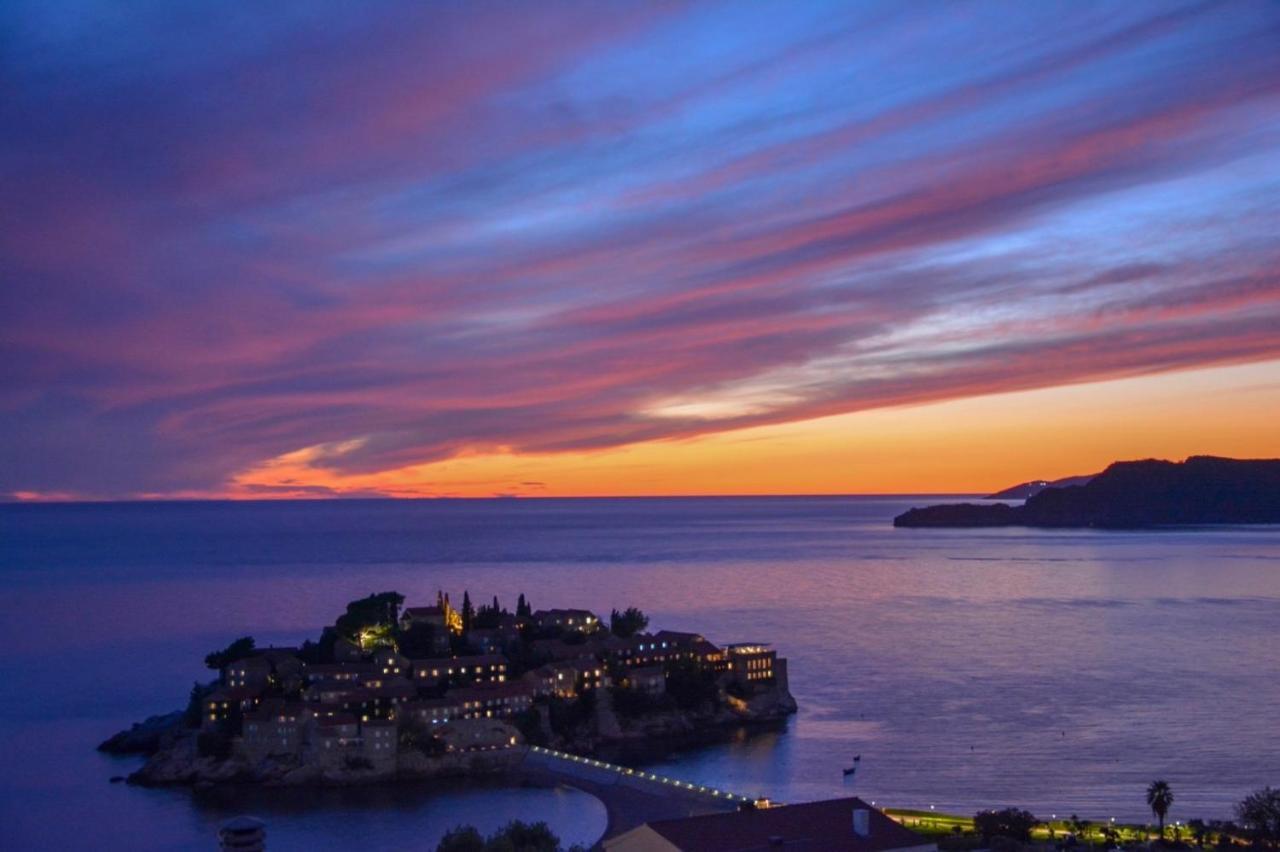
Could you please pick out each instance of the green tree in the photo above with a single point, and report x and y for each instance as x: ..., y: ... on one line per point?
x: 628, y: 623
x: 529, y: 724
x: 691, y: 686
x: 237, y: 650
x: 468, y: 612
x: 487, y: 616
x: 1259, y: 814
x: 375, y: 611
x: 522, y: 607
x: 567, y: 715
x: 1082, y: 828
x: 418, y: 641
x: 464, y: 838
x: 1160, y: 799
x: 194, y: 714
x: 1013, y: 823
x: 321, y: 651
x: 515, y: 836
x: 1199, y: 831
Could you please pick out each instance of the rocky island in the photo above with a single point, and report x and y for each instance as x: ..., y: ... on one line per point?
x: 1132, y: 495
x: 432, y: 692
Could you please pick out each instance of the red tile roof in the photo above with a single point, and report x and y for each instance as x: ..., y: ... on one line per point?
x: 234, y: 693
x: 678, y: 637
x: 455, y: 662
x: 430, y: 704
x: 483, y: 691
x: 322, y: 670
x: 393, y: 688
x: 812, y: 827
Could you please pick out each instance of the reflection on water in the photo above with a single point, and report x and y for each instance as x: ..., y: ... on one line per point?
x: 408, y: 818
x: 1056, y: 670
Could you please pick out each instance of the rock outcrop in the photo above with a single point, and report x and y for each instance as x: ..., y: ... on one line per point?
x: 146, y: 737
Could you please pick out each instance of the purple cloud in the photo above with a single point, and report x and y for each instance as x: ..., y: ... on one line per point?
x: 439, y: 229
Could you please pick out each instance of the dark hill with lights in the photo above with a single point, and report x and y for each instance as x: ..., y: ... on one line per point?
x: 1130, y: 495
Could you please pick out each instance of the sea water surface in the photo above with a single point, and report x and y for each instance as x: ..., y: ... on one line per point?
x: 1055, y: 670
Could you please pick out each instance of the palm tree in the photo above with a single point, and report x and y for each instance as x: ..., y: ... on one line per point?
x: 1160, y: 797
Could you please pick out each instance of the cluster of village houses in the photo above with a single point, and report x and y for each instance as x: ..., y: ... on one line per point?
x: 356, y: 705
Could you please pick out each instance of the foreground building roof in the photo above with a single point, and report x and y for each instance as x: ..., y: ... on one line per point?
x: 826, y: 826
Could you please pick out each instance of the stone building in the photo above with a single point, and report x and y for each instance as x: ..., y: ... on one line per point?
x: 751, y: 662
x: 478, y: 735
x: 275, y: 728
x: 380, y: 743
x: 569, y: 620
x: 650, y: 680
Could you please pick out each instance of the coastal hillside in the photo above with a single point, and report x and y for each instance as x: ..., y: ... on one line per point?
x: 1026, y: 490
x: 1127, y: 495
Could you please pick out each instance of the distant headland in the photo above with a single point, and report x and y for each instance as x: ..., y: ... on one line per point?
x: 1132, y: 495
x: 1026, y: 490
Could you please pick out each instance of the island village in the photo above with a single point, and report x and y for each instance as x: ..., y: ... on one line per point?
x: 390, y: 693
x: 427, y: 691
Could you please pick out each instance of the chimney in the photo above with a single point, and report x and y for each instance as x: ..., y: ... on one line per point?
x: 862, y: 822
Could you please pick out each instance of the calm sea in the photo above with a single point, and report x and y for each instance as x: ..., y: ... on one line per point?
x: 1059, y: 671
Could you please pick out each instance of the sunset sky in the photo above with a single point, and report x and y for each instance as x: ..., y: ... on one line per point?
x: 307, y: 249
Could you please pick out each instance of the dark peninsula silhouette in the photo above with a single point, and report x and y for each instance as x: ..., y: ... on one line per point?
x: 1025, y: 490
x: 1128, y: 495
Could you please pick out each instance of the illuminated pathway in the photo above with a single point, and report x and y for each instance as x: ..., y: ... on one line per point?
x: 630, y: 796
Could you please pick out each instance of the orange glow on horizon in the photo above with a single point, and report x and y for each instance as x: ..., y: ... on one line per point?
x: 973, y: 445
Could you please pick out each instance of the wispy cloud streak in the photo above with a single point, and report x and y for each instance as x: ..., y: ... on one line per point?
x: 435, y: 230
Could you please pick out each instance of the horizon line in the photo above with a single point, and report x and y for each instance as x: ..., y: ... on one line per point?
x: 373, y: 498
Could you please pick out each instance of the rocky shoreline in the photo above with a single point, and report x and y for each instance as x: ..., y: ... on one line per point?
x: 174, y: 759
x: 429, y: 692
x: 179, y: 764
